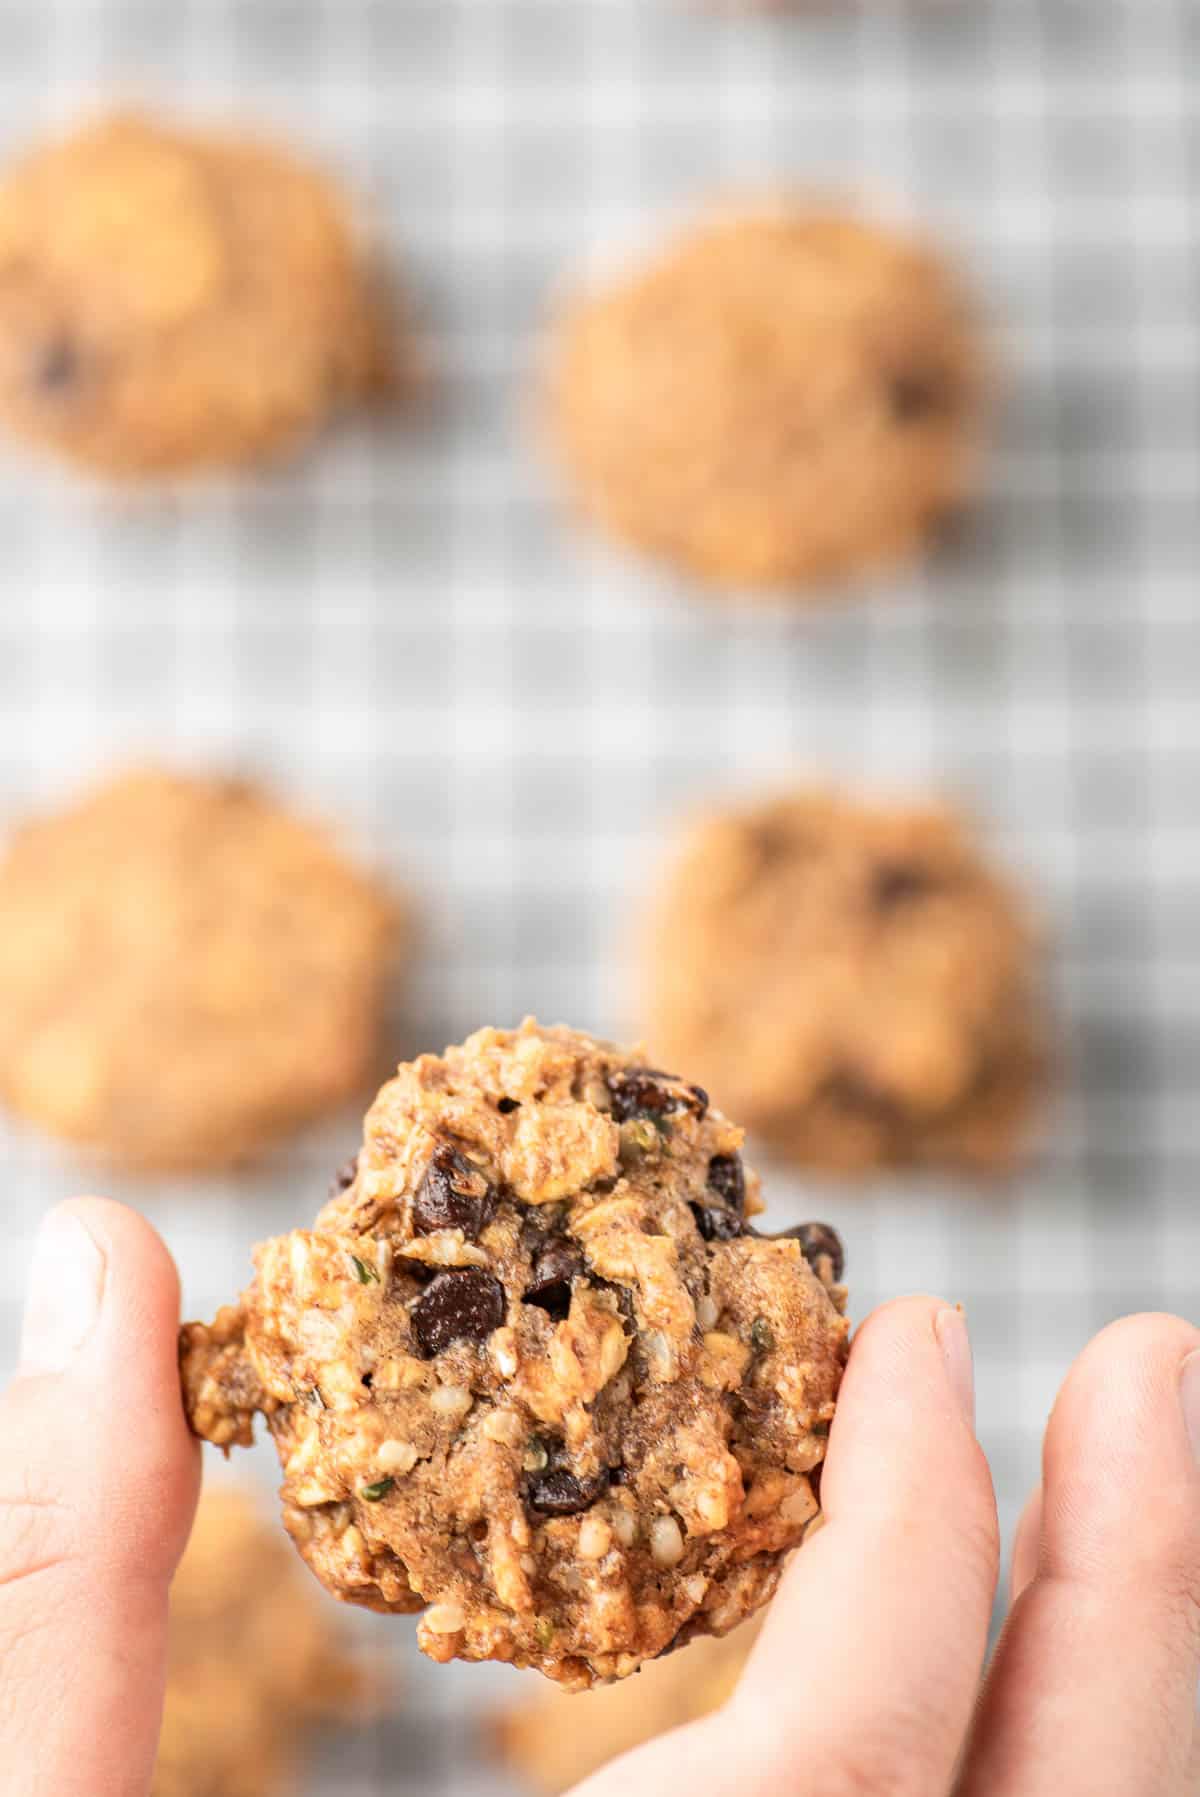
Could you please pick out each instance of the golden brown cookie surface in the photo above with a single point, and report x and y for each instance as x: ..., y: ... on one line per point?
x: 255, y: 1660
x: 553, y: 1741
x: 186, y: 970
x: 783, y: 396
x: 171, y: 300
x: 532, y: 1371
x: 851, y: 978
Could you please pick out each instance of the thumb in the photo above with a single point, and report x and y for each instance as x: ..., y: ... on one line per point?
x: 98, y: 1483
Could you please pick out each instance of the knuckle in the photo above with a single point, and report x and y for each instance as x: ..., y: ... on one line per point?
x: 890, y: 1761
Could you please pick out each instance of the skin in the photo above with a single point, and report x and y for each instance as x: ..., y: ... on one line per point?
x: 866, y: 1678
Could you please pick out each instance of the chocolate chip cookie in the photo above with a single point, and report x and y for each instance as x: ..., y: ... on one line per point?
x: 255, y: 1662
x: 853, y: 979
x: 783, y: 396
x: 171, y: 299
x: 186, y: 971
x: 553, y: 1741
x: 534, y: 1372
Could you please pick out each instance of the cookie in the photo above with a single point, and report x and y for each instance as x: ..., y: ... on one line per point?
x: 186, y: 971
x: 255, y: 1663
x: 552, y: 1741
x: 852, y: 979
x: 171, y: 300
x: 533, y: 1372
x: 781, y: 397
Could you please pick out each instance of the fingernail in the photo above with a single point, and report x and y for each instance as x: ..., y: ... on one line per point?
x: 66, y: 1286
x: 1189, y: 1398
x: 950, y: 1327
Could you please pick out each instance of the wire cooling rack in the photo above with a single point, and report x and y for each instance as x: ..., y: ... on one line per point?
x: 404, y: 634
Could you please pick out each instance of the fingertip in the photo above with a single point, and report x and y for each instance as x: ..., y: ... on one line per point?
x: 130, y: 1242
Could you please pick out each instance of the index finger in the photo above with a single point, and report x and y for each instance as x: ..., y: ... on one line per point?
x: 867, y: 1669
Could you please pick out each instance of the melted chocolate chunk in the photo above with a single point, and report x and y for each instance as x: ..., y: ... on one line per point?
x: 554, y: 1267
x: 818, y: 1242
x: 850, y: 1090
x: 344, y: 1178
x: 896, y: 883
x: 560, y: 1491
x: 452, y: 1195
x: 506, y: 1106
x: 916, y: 394
x: 57, y: 367
x: 723, y: 1221
x: 645, y: 1092
x: 462, y: 1304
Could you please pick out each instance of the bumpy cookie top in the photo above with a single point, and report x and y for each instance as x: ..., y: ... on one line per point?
x: 852, y: 978
x: 533, y: 1368
x: 784, y: 395
x: 185, y: 970
x: 170, y: 298
x: 254, y: 1660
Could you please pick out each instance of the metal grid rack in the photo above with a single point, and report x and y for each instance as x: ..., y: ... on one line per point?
x: 405, y: 634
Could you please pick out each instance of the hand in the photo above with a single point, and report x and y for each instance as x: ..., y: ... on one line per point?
x: 865, y: 1679
x: 98, y: 1483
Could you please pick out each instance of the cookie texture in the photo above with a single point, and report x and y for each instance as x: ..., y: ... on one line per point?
x: 255, y: 1664
x: 552, y: 1740
x: 171, y: 299
x: 534, y: 1372
x: 850, y: 978
x: 783, y: 396
x: 186, y: 971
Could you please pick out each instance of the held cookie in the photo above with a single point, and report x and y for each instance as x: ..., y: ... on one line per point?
x: 553, y: 1741
x: 533, y: 1372
x: 782, y: 397
x: 254, y: 1662
x: 171, y: 300
x: 186, y: 971
x: 852, y: 979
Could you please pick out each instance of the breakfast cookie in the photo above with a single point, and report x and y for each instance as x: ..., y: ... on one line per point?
x: 186, y: 971
x: 171, y: 300
x: 783, y: 396
x: 552, y: 1741
x: 851, y: 979
x: 254, y: 1662
x: 533, y: 1371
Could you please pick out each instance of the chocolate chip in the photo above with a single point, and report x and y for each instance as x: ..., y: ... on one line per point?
x: 645, y: 1092
x: 56, y: 367
x: 850, y: 1090
x: 818, y: 1242
x: 554, y: 1267
x: 895, y: 883
x: 344, y: 1178
x: 716, y: 1224
x: 506, y: 1106
x: 915, y: 394
x: 724, y: 1221
x: 452, y: 1195
x: 463, y: 1304
x: 560, y: 1491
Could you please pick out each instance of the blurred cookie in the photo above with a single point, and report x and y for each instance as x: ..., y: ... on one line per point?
x: 186, y: 970
x: 255, y: 1663
x: 853, y: 979
x: 783, y: 396
x: 552, y: 1741
x: 171, y: 299
x: 532, y: 1371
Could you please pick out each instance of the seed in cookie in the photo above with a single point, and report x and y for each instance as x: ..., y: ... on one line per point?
x: 211, y: 287
x: 868, y: 995
x: 187, y: 970
x: 574, y: 1436
x: 783, y: 396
